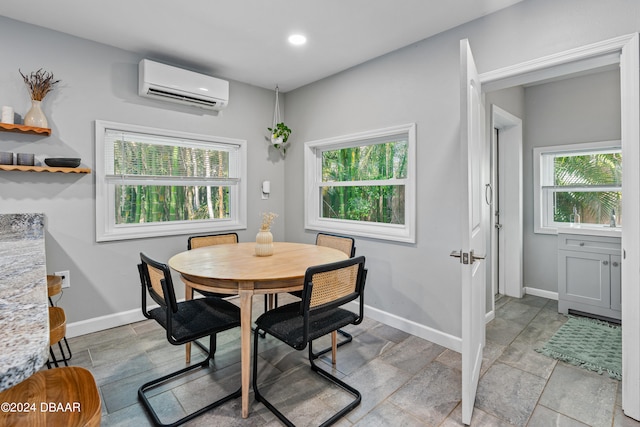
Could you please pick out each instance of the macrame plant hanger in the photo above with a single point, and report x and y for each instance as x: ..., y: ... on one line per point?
x: 279, y: 132
x: 276, y: 111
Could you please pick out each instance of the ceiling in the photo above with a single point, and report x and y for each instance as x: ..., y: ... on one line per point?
x: 246, y: 40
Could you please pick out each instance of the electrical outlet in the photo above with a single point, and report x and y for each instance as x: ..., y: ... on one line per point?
x: 66, y: 278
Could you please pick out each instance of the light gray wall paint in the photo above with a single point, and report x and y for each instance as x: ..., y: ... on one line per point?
x: 420, y: 84
x: 510, y: 100
x: 582, y: 109
x: 100, y: 82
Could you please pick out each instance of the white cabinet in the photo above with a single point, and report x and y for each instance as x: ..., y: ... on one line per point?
x: 589, y: 274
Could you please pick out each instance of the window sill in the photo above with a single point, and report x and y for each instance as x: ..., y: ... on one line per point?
x: 591, y: 231
x: 390, y: 232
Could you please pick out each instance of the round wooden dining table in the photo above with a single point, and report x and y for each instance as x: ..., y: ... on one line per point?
x: 235, y: 269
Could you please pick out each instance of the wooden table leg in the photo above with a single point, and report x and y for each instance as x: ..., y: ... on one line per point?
x: 188, y: 294
x: 246, y: 299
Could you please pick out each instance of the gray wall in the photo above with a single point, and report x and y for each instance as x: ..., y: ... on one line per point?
x: 582, y: 109
x: 100, y: 82
x: 420, y: 84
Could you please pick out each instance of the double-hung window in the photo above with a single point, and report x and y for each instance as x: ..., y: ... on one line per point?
x: 152, y: 182
x: 363, y: 184
x: 578, y: 184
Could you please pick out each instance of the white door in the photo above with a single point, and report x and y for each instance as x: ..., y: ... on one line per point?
x: 630, y: 87
x: 472, y: 228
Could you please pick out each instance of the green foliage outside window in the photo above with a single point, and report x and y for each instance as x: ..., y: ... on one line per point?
x: 172, y: 202
x: 593, y: 184
x: 370, y: 193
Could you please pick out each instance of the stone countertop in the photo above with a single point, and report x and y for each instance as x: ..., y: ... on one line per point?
x: 24, y: 313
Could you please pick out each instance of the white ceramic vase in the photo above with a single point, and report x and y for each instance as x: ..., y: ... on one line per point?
x: 264, y: 243
x: 35, y: 116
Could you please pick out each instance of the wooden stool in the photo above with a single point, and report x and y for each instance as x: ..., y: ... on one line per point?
x: 57, y: 331
x: 54, y: 287
x: 62, y: 397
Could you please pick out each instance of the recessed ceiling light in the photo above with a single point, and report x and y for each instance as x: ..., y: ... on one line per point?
x: 297, y: 39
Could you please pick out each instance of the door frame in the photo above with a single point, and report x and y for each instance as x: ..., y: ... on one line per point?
x: 510, y: 252
x: 623, y: 50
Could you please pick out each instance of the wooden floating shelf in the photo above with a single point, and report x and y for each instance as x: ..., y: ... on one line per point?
x: 43, y: 169
x: 6, y: 127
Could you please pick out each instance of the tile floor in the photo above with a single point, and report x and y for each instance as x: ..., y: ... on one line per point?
x: 404, y: 380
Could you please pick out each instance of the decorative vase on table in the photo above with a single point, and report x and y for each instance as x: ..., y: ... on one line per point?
x: 35, y: 116
x: 264, y: 243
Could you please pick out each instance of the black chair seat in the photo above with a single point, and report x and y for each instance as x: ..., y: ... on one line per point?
x: 199, y: 318
x: 326, y: 289
x: 286, y: 323
x: 184, y: 322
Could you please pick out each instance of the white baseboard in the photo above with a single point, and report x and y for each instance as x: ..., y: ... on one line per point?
x: 541, y: 293
x: 109, y: 321
x: 125, y: 317
x: 435, y: 336
x: 101, y: 323
x: 489, y: 316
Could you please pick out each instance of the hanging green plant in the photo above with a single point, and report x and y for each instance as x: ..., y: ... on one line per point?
x: 279, y: 132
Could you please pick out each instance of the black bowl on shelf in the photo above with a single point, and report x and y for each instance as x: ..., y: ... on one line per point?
x: 62, y: 162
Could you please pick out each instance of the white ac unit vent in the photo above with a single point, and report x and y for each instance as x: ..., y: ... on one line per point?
x: 172, y: 84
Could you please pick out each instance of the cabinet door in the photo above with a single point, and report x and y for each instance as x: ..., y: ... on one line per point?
x: 616, y: 280
x: 584, y: 278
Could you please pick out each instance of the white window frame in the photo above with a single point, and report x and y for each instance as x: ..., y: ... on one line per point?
x: 313, y: 182
x: 107, y: 230
x: 543, y: 173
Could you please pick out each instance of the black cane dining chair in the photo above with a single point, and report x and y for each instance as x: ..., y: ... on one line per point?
x: 347, y: 245
x: 326, y: 289
x: 184, y: 322
x: 195, y: 242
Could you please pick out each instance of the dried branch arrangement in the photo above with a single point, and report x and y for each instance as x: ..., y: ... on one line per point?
x: 267, y: 220
x: 39, y: 83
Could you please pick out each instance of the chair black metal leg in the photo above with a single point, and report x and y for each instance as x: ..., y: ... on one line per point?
x: 63, y: 357
x: 205, y: 349
x: 52, y: 358
x: 260, y: 398
x: 66, y: 343
x: 266, y: 301
x: 348, y: 339
x: 346, y: 387
x: 62, y: 353
x: 152, y: 384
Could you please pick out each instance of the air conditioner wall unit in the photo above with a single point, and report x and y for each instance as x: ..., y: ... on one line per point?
x: 172, y: 84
